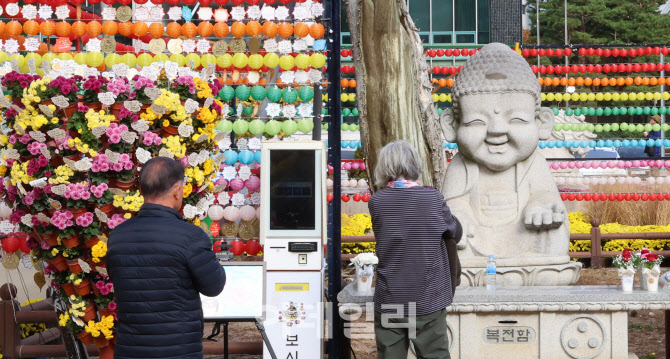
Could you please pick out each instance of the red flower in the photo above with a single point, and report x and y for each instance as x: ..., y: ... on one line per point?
x: 627, y: 253
x: 652, y: 257
x: 645, y: 251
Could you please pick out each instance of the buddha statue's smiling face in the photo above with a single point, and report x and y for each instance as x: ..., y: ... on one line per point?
x: 498, y: 130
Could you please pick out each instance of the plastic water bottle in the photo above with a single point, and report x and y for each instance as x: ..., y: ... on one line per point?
x: 491, y: 273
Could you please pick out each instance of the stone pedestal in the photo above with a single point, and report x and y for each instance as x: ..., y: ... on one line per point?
x: 570, y: 322
x: 546, y: 275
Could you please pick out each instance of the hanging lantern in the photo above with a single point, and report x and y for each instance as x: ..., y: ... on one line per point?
x: 231, y: 213
x: 215, y: 212
x: 10, y: 244
x: 236, y: 247
x: 252, y: 247
x: 247, y: 213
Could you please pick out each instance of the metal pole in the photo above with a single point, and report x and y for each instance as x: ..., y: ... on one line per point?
x: 537, y: 26
x: 565, y: 24
x: 334, y: 157
x: 662, y: 106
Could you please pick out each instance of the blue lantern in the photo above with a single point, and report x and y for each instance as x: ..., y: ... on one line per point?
x: 246, y: 157
x: 257, y: 157
x: 231, y: 157
x: 542, y: 144
x: 551, y: 144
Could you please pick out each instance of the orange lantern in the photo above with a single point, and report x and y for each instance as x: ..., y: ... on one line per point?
x: 571, y: 81
x: 14, y: 28
x: 301, y: 29
x: 189, y: 29
x: 620, y: 81
x: 63, y: 29
x: 156, y: 30
x: 31, y: 28
x: 93, y: 28
x: 238, y: 29
x: 604, y: 81
x: 285, y: 29
x: 253, y: 28
x: 221, y: 29
x: 140, y: 28
x: 125, y: 28
x: 652, y: 81
x: 269, y: 29
x: 174, y: 29
x: 588, y: 81
x: 629, y: 81
x: 110, y: 28
x: 78, y: 28
x: 638, y: 80
x: 540, y: 81
x: 317, y: 31
x: 352, y: 83
x: 2, y: 27
x: 564, y: 81
x: 344, y: 83
x: 205, y: 29
x: 555, y: 81
x: 645, y: 81
x: 579, y: 81
x: 441, y: 82
x: 661, y: 81
x: 450, y: 82
x: 596, y: 82
x: 47, y: 28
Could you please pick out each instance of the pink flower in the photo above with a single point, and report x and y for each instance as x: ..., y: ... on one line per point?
x: 111, y: 305
x: 85, y: 220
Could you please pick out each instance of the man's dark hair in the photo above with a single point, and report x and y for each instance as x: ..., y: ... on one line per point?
x: 159, y: 175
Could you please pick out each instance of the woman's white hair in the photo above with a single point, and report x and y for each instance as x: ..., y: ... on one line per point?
x: 397, y: 159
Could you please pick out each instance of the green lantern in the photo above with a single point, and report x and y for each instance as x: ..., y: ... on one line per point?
x: 592, y: 111
x: 647, y: 127
x: 231, y: 112
x: 599, y: 111
x: 306, y: 93
x: 654, y: 111
x: 227, y: 93
x: 623, y: 111
x: 289, y: 95
x: 324, y: 126
x: 344, y: 127
x: 274, y: 94
x: 240, y: 127
x: 582, y: 127
x: 608, y: 111
x: 247, y: 111
x: 224, y: 126
x: 599, y: 128
x: 256, y: 127
x: 242, y: 92
x: 272, y: 127
x: 615, y: 111
x: 346, y: 112
x: 639, y: 128
x: 578, y: 112
x: 615, y: 127
x: 639, y: 110
x: 623, y: 126
x: 574, y: 127
x: 305, y: 125
x: 646, y: 110
x: 258, y: 93
x: 590, y: 127
x: 557, y: 127
x: 607, y: 127
x: 439, y: 111
x: 555, y: 111
x: 289, y: 127
x: 656, y: 127
x: 665, y: 127
x: 569, y: 112
x: 663, y: 110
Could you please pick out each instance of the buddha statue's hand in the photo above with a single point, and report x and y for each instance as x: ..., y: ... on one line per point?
x: 468, y: 235
x: 544, y: 216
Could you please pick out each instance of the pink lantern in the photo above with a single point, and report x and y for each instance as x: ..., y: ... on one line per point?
x: 362, y: 183
x: 215, y: 212
x: 571, y: 164
x: 223, y: 182
x: 231, y: 213
x: 347, y: 166
x: 247, y: 213
x: 579, y: 164
x: 636, y: 163
x: 610, y: 164
x: 667, y: 164
x: 362, y: 166
x: 355, y: 165
x: 620, y: 164
x: 353, y: 183
x: 563, y: 165
x: 253, y: 184
x: 237, y: 184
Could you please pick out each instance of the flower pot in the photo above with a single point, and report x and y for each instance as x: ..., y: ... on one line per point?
x: 106, y: 209
x: 115, y: 108
x: 364, y: 277
x: 58, y: 262
x: 75, y: 157
x: 649, y: 278
x: 89, y: 313
x: 71, y: 241
x: 50, y: 238
x: 105, y: 312
x: 627, y: 283
x: 89, y: 243
x: 77, y: 212
x: 123, y: 185
x: 169, y: 131
x: 56, y: 161
x: 100, y: 341
x: 74, y: 266
x: 96, y: 291
x: 96, y: 106
x: 83, y: 288
x: 68, y: 288
x: 85, y: 337
x: 69, y: 111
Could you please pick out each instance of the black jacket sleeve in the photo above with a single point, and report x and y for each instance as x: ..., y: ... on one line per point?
x: 208, y: 275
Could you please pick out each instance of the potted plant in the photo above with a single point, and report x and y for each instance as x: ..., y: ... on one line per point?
x: 92, y: 86
x: 627, y: 263
x: 14, y: 82
x: 151, y: 142
x: 115, y: 141
x: 121, y: 90
x: 75, y: 326
x: 102, y: 331
x: 77, y: 195
x: 81, y: 308
x: 364, y: 263
x: 650, y: 270
x: 102, y: 198
x: 53, y: 257
x: 98, y: 253
x: 82, y: 285
x: 67, y: 87
x: 91, y: 231
x: 139, y: 84
x: 72, y: 258
x: 106, y: 304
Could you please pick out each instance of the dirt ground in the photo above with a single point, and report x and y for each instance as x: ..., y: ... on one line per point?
x: 646, y: 329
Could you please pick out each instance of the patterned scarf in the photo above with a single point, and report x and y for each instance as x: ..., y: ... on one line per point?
x: 402, y: 183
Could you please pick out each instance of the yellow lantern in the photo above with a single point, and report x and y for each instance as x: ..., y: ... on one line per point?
x: 48, y: 57
x: 549, y: 96
x: 657, y: 96
x: 144, y: 60
x: 566, y: 97
x: 224, y: 61
x: 256, y: 61
x: 352, y: 97
x: 641, y: 95
x: 624, y: 97
x: 240, y: 60
x: 193, y: 57
x: 40, y: 72
x: 20, y: 60
x: 599, y: 96
x: 80, y: 58
x: 129, y: 59
x: 161, y: 57
x: 178, y: 58
x: 616, y: 96
x: 65, y: 56
x: 111, y: 60
x: 607, y: 96
x: 543, y: 96
x: 286, y: 62
x: 36, y: 57
x: 649, y: 96
x: 3, y: 56
x: 271, y: 60
x: 436, y: 97
x: 591, y: 96
x: 94, y: 59
x: 344, y: 97
x: 302, y: 61
x: 24, y: 69
x: 666, y: 96
x: 443, y: 97
x: 574, y: 96
x: 207, y: 59
x: 317, y: 60
x: 449, y: 98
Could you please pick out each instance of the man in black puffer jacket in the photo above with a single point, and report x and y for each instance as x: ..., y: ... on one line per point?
x: 159, y: 265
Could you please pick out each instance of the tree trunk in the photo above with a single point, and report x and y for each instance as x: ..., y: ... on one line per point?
x: 393, y: 88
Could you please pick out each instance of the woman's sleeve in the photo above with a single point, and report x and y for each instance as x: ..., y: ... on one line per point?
x: 454, y: 230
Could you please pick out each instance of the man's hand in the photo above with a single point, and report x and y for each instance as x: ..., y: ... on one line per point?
x: 544, y: 216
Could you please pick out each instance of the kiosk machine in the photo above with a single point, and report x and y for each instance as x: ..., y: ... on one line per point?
x: 293, y: 232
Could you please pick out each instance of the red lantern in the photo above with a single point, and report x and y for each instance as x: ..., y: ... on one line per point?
x: 621, y: 68
x: 579, y: 197
x: 444, y: 70
x: 587, y: 197
x: 636, y: 197
x: 464, y: 52
x: 252, y: 247
x: 652, y: 196
x: 550, y: 69
x: 599, y: 68
x: 623, y: 53
x: 590, y: 51
x: 365, y: 198
x: 453, y: 70
x: 345, y: 198
x: 251, y: 2
x: 23, y: 244
x: 628, y: 196
x: 558, y: 53
x: 603, y: 197
x: 607, y: 68
x: 667, y: 196
x: 220, y: 2
x: 582, y: 52
x: 568, y: 51
x: 637, y: 68
x: 582, y: 68
x: 666, y: 67
x: 629, y: 68
x: 660, y: 197
x: 472, y: 52
x: 543, y: 70
x: 357, y: 197
x: 269, y: 2
x: 440, y: 52
x: 550, y: 53
x: 649, y: 50
x: 599, y: 52
x: 525, y: 52
x: 543, y: 52
x: 644, y: 197
x: 457, y: 52
x: 612, y: 197
x: 533, y: 52
x: 330, y: 197
x: 215, y: 228
x: 665, y: 51
x: 534, y: 68
x: 10, y: 244
x: 432, y: 53
x: 574, y: 69
x: 590, y: 68
x: 616, y: 52
x: 237, y: 247
x: 448, y: 52
x: 564, y: 196
x: 436, y: 69
x: 607, y: 53
x: 595, y: 197
x: 645, y: 67
x: 620, y: 197
x: 571, y: 197
x: 216, y: 247
x: 558, y: 69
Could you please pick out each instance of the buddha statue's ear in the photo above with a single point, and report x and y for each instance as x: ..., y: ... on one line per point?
x: 448, y: 125
x: 546, y: 122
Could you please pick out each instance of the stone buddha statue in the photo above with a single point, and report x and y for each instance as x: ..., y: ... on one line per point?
x: 498, y: 185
